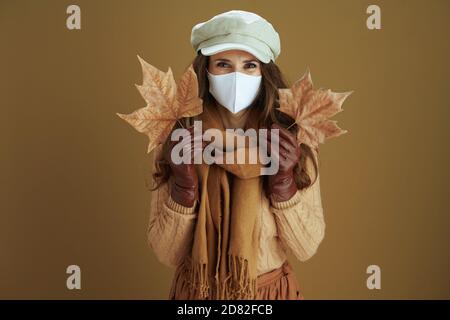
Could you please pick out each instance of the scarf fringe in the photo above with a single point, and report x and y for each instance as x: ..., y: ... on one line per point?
x: 237, y: 284
x: 199, y: 280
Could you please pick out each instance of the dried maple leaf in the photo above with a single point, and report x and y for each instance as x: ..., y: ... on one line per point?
x: 311, y: 110
x: 166, y: 101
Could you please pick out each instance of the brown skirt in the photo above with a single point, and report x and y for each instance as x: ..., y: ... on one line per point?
x: 278, y: 284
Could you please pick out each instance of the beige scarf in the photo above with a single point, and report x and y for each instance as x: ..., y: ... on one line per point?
x: 223, y: 260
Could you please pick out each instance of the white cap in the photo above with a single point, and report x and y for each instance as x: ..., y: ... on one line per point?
x: 237, y: 29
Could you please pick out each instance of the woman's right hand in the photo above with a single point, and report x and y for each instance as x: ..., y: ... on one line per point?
x: 184, y: 188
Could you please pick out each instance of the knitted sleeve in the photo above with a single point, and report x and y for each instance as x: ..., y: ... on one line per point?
x: 171, y: 227
x: 300, y: 222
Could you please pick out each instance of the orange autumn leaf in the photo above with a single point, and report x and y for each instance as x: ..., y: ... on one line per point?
x: 166, y: 101
x: 312, y: 109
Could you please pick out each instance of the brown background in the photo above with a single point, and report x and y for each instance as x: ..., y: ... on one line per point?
x: 73, y: 174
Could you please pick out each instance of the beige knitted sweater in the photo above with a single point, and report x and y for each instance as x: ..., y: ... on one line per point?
x: 296, y: 225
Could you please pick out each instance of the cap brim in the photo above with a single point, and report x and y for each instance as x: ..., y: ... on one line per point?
x: 208, y: 51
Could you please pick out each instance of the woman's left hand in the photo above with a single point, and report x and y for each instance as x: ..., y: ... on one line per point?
x: 281, y: 186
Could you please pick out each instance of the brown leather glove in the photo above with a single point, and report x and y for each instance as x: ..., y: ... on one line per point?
x: 184, y: 187
x: 281, y: 186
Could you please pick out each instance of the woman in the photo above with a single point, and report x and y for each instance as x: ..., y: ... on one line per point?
x: 225, y: 227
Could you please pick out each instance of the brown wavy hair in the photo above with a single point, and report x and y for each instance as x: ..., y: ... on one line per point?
x: 267, y: 102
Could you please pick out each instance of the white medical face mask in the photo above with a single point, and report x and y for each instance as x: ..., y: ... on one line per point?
x: 235, y: 91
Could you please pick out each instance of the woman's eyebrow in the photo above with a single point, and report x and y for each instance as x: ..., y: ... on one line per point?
x: 223, y: 59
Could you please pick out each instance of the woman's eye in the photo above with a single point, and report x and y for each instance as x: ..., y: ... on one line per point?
x: 251, y: 65
x: 221, y: 64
